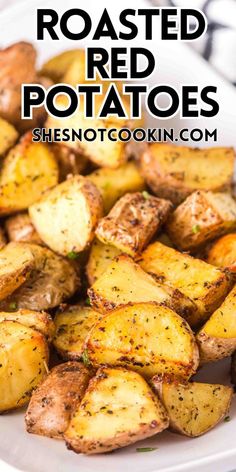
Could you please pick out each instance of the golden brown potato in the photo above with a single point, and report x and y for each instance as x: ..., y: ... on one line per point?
x: 201, y: 282
x: 23, y: 363
x: 104, y: 153
x: 56, y: 67
x: 101, y: 255
x: 20, y: 228
x: 114, y: 183
x: 217, y: 338
x: 133, y: 221
x: 3, y: 240
x: 108, y: 417
x: 28, y: 170
x: 50, y: 281
x: 145, y: 337
x: 53, y: 402
x: 8, y: 136
x: 200, y: 218
x: 37, y: 320
x: 17, y: 67
x: 193, y: 408
x: 72, y: 328
x: 222, y: 253
x: 66, y: 217
x: 124, y: 281
x: 70, y: 162
x: 174, y: 172
x: 16, y: 263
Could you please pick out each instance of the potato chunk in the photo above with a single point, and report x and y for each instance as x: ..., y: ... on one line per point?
x: 23, y: 363
x: 200, y: 218
x: 53, y: 402
x: 174, y: 172
x: 56, y: 67
x: 37, y: 320
x: 118, y: 409
x: 16, y: 263
x: 193, y: 408
x: 72, y: 328
x: 20, y: 228
x: 124, y: 281
x: 203, y: 283
x: 70, y: 162
x: 8, y: 136
x: 28, y: 170
x: 222, y: 253
x: 145, y: 337
x: 66, y: 217
x: 101, y: 255
x: 50, y: 279
x: 114, y: 183
x: 217, y: 338
x: 133, y: 221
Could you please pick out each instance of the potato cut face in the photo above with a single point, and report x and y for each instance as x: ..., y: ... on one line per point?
x: 101, y: 255
x: 66, y: 217
x: 217, y: 338
x: 56, y: 67
x: 223, y: 253
x: 203, y: 283
x: 53, y: 402
x: 114, y: 183
x: 174, y: 172
x: 8, y: 136
x: 51, y: 281
x: 16, y: 263
x: 72, y: 328
x: 145, y: 337
x: 20, y: 228
x: 124, y: 281
x: 194, y: 408
x: 28, y: 170
x: 37, y: 320
x: 133, y: 221
x: 200, y: 218
x: 118, y: 409
x: 23, y: 360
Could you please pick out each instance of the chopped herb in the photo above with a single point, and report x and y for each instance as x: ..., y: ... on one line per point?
x: 72, y: 255
x: 195, y: 229
x: 85, y: 358
x: 146, y: 195
x: 12, y: 306
x: 227, y: 419
x: 87, y: 301
x: 146, y: 449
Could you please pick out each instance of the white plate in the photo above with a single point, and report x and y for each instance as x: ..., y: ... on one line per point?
x: 216, y: 451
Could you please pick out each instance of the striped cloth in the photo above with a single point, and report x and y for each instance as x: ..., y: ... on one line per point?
x: 218, y: 46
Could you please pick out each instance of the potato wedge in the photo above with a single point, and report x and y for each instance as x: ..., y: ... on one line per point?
x: 72, y: 328
x: 217, y: 338
x: 8, y: 136
x: 193, y: 408
x: 118, y: 409
x: 20, y: 228
x: 133, y: 221
x: 124, y: 281
x: 51, y: 280
x: 28, y: 170
x: 145, y: 337
x: 201, y: 282
x: 174, y: 172
x: 23, y: 363
x: 37, y: 320
x: 222, y: 253
x: 101, y: 255
x: 70, y: 162
x: 114, y: 183
x: 16, y: 262
x: 66, y: 217
x: 17, y: 67
x: 200, y: 218
x: 53, y: 402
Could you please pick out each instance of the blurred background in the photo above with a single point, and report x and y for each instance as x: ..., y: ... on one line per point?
x: 218, y: 46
